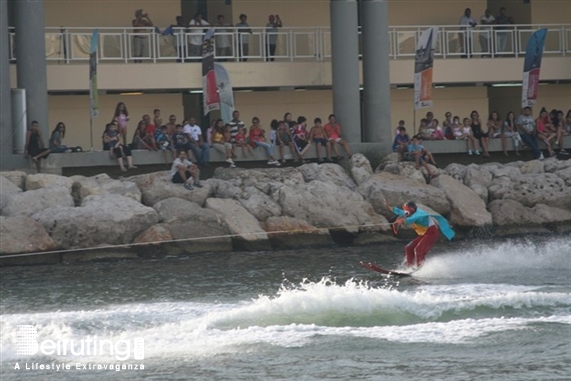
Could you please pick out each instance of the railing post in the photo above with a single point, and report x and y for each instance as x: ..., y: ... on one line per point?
x: 126, y: 45
x: 155, y: 48
x: 292, y: 45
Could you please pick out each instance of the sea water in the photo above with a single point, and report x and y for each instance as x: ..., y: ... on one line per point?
x: 499, y: 310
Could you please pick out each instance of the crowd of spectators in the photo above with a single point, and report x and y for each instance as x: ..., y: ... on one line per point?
x: 548, y: 128
x: 195, y: 29
x: 188, y: 137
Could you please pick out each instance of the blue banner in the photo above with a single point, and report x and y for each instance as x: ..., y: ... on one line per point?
x: 93, y: 94
x: 225, y: 92
x: 531, y: 67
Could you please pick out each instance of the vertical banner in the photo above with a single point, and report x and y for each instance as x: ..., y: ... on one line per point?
x: 210, y: 93
x: 93, y: 94
x: 531, y: 66
x: 225, y: 92
x: 423, y: 64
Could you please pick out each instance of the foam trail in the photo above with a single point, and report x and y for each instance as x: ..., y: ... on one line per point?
x: 510, y: 257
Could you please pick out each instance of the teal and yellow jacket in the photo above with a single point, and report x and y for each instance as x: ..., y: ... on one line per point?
x: 420, y: 222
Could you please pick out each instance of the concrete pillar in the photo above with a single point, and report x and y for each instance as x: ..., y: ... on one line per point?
x: 345, y: 67
x: 5, y: 103
x: 31, y: 60
x: 376, y: 74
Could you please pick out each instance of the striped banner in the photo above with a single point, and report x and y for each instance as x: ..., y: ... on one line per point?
x: 531, y: 66
x: 423, y: 68
x: 93, y: 93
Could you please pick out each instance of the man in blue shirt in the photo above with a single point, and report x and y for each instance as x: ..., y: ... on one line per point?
x: 401, y: 141
x: 420, y: 156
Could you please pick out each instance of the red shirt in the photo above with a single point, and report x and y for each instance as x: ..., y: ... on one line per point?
x: 256, y: 135
x: 332, y: 130
x: 150, y: 129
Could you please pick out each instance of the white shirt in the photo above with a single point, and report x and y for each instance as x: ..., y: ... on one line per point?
x: 484, y: 23
x: 527, y: 123
x: 176, y: 163
x: 194, y: 131
x: 244, y: 37
x: 196, y: 33
x: 221, y: 37
x: 467, y: 21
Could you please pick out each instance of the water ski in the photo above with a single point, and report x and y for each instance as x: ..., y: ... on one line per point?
x: 373, y: 267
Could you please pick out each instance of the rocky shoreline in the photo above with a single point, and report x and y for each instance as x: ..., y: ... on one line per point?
x: 94, y: 218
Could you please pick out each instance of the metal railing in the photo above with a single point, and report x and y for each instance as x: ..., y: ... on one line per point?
x: 70, y: 45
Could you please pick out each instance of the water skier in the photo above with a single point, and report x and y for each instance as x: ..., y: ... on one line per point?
x: 425, y: 225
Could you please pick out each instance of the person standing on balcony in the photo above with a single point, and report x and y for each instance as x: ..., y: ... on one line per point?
x: 196, y: 26
x: 243, y: 38
x: 272, y: 36
x: 140, y: 42
x: 222, y: 39
x: 502, y: 34
x: 467, y: 22
x: 178, y: 35
x: 485, y: 34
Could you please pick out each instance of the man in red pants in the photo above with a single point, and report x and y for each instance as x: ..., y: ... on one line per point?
x: 426, y: 226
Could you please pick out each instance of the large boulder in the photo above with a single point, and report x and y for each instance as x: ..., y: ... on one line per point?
x: 360, y: 168
x: 294, y: 233
x: 158, y: 186
x: 397, y: 190
x: 259, y: 178
x: 554, y: 165
x: 556, y: 219
x: 100, y: 185
x: 23, y: 235
x: 532, y: 167
x: 457, y: 171
x: 259, y: 204
x: 100, y: 220
x: 26, y: 204
x: 467, y: 209
x: 326, y: 205
x: 7, y: 190
x: 565, y: 175
x: 196, y: 229
x: 45, y: 180
x: 479, y: 179
x: 17, y: 177
x: 245, y: 228
x: 406, y: 169
x: 510, y: 172
x: 224, y: 189
x: 510, y: 217
x: 391, y: 158
x: 328, y: 173
x: 530, y: 190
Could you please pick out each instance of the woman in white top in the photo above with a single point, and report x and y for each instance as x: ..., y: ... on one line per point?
x: 509, y: 130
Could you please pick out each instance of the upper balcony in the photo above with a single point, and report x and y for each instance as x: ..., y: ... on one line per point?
x: 302, y: 58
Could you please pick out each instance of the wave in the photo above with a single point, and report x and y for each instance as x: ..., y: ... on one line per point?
x: 436, y: 313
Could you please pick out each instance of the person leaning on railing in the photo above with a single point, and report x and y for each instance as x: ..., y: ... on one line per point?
x: 501, y: 33
x: 243, y: 38
x: 140, y: 42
